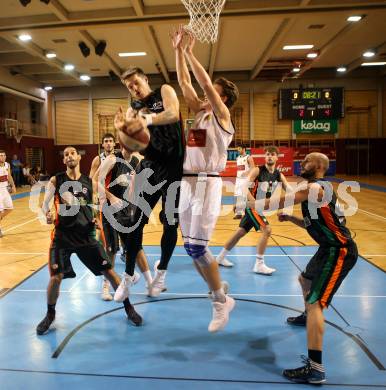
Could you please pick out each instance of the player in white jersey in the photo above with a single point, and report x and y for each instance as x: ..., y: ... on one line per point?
x: 205, y: 158
x: 7, y: 186
x: 244, y: 164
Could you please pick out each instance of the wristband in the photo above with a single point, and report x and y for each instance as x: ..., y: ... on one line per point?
x: 149, y: 119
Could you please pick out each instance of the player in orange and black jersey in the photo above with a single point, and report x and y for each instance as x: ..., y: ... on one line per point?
x: 336, y: 256
x: 74, y: 232
x: 265, y: 179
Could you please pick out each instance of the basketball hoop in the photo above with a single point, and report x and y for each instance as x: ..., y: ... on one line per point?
x: 204, y: 18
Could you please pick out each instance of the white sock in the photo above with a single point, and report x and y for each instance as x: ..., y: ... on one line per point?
x: 222, y: 254
x: 147, y: 276
x: 260, y: 259
x: 219, y: 296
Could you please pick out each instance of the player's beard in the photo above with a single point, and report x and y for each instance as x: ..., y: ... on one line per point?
x: 308, y: 175
x: 72, y: 164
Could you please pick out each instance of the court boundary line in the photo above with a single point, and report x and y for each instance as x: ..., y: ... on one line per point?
x: 181, y: 379
x: 71, y: 291
x: 183, y: 255
x: 360, y: 343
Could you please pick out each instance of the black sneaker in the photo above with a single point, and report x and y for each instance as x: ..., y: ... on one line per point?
x: 299, y: 320
x: 311, y: 372
x: 45, y: 324
x: 133, y: 316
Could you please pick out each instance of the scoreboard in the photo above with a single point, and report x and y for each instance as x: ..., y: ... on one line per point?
x: 311, y: 103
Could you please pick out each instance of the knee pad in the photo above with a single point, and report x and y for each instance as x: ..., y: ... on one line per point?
x: 201, y: 256
x: 195, y: 251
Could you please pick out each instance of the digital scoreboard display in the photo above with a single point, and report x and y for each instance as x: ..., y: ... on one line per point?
x: 311, y: 103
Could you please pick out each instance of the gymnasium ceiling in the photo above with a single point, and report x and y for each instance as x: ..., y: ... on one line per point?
x: 252, y: 35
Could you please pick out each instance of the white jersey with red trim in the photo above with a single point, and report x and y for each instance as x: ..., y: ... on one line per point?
x: 207, y: 144
x: 242, y: 165
x: 4, y: 171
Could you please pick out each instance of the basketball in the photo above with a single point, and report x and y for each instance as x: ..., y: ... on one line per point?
x: 135, y: 142
x: 132, y: 135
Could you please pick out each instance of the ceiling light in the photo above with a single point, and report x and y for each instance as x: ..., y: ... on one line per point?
x: 25, y: 37
x: 354, y: 18
x: 132, y: 54
x: 312, y: 55
x: 50, y: 54
x: 296, y: 70
x: 369, y: 53
x: 85, y: 77
x: 297, y: 47
x: 374, y: 63
x: 48, y: 88
x: 69, y: 67
x: 342, y: 69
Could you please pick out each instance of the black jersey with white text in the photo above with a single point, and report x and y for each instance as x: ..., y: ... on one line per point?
x: 326, y: 224
x: 166, y: 141
x: 77, y: 217
x: 120, y: 178
x: 266, y: 181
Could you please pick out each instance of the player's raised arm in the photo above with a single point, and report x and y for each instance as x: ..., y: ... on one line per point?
x: 183, y: 75
x: 203, y: 79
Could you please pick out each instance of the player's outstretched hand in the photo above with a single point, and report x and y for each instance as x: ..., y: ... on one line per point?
x: 189, y: 42
x: 119, y: 120
x: 177, y: 36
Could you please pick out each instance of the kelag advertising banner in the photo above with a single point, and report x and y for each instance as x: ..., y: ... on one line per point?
x: 325, y: 126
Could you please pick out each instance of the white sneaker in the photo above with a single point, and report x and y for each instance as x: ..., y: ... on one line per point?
x: 224, y: 262
x: 221, y: 314
x: 158, y: 284
x: 106, y: 296
x: 261, y: 268
x: 122, y: 291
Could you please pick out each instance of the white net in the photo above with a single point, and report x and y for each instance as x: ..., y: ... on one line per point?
x: 204, y: 18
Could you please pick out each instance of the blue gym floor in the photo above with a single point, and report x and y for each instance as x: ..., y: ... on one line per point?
x: 93, y: 346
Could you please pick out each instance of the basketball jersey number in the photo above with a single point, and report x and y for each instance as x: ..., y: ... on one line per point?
x: 197, y: 138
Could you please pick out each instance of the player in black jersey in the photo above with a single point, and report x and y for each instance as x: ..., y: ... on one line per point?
x: 336, y: 256
x: 115, y: 178
x: 108, y: 235
x: 265, y: 179
x: 164, y: 156
x: 74, y: 232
